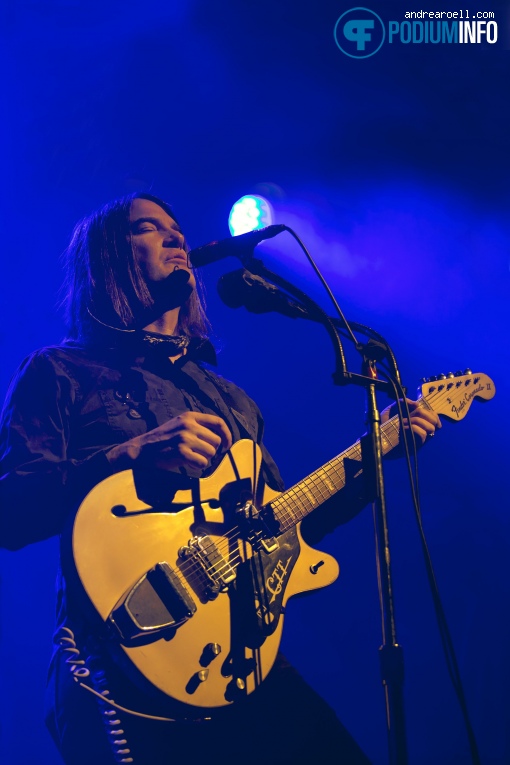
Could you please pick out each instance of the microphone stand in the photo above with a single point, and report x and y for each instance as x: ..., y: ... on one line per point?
x: 391, y: 657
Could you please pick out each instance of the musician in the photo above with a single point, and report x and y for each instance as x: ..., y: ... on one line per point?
x: 132, y: 387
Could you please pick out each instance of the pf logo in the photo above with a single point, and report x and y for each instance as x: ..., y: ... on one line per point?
x: 359, y: 33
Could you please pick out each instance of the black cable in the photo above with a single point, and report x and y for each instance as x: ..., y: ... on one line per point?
x: 324, y: 284
x: 444, y: 630
x: 400, y: 398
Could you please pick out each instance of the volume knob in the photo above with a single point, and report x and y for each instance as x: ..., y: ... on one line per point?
x: 213, y: 648
x: 210, y: 652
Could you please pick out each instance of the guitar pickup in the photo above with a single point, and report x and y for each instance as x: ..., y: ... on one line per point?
x: 158, y: 601
x: 212, y: 563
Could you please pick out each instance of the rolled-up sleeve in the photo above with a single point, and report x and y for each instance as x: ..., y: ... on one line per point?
x: 40, y: 482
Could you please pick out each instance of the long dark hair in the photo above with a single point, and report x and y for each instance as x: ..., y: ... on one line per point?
x: 104, y: 280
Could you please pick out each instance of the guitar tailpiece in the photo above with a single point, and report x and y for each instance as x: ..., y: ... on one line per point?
x: 110, y: 716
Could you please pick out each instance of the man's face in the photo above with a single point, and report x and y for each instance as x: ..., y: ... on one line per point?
x: 157, y: 241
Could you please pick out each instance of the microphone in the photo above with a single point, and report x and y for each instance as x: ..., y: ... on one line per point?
x: 240, y: 246
x: 241, y: 287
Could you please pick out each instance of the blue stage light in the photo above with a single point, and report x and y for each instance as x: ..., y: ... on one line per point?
x: 249, y: 213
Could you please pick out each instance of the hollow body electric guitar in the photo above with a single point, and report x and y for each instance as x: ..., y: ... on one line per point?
x: 192, y: 587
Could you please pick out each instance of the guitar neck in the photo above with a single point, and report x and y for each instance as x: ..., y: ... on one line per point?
x: 306, y: 496
x: 450, y: 395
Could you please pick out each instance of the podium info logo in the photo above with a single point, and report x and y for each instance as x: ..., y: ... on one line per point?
x: 359, y: 33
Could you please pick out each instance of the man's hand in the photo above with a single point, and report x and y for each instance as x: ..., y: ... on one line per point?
x: 190, y: 440
x: 424, y: 422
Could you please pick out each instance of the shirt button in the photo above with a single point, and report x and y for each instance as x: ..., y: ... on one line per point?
x: 134, y: 414
x: 124, y: 397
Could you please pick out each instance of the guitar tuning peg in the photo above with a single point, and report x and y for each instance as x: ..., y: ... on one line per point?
x: 468, y: 371
x: 450, y: 374
x: 441, y: 377
x: 459, y: 373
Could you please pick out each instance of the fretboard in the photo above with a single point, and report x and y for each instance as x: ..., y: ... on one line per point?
x: 299, y: 501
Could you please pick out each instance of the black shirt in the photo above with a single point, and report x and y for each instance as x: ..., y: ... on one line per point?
x: 69, y: 404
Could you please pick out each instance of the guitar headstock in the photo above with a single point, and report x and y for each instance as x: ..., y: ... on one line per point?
x: 451, y: 395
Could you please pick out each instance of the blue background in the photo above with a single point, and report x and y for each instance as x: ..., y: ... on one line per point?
x: 395, y: 171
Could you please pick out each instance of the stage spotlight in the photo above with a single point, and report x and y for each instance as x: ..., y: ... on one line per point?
x: 249, y: 214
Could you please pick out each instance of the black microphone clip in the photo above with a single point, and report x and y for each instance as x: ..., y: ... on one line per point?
x: 242, y: 288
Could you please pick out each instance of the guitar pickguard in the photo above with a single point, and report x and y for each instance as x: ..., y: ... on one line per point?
x: 270, y: 573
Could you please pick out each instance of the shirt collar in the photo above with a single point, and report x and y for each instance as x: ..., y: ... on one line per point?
x: 133, y: 343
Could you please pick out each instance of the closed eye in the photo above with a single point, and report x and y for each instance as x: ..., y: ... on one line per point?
x: 144, y: 224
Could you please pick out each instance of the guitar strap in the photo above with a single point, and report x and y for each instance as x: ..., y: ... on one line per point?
x: 248, y: 427
x: 219, y: 395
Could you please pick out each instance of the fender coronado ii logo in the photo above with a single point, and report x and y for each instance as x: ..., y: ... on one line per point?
x: 467, y: 398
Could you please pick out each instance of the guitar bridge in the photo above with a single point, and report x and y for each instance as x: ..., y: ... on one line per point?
x: 259, y: 527
x: 269, y: 545
x: 218, y: 571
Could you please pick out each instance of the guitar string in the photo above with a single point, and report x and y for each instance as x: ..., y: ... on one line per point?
x: 311, y: 482
x: 297, y: 507
x: 315, y: 482
x: 234, y: 534
x: 286, y: 516
x: 293, y: 502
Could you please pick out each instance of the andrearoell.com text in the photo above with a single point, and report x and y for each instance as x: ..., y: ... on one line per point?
x: 462, y: 14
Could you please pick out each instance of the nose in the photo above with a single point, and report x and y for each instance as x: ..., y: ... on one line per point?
x: 174, y: 239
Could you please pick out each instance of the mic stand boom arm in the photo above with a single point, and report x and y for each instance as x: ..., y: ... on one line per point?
x: 341, y: 375
x: 390, y: 653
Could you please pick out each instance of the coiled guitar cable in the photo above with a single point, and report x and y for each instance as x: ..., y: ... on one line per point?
x: 79, y: 670
x: 82, y: 669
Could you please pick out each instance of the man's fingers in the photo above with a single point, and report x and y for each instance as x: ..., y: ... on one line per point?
x: 190, y: 438
x: 217, y: 425
x: 209, y: 427
x: 195, y: 458
x: 416, y: 409
x: 421, y: 427
x: 208, y: 436
x: 192, y: 442
x: 182, y: 456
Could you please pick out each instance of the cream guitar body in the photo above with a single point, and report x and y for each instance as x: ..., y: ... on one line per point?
x: 227, y: 646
